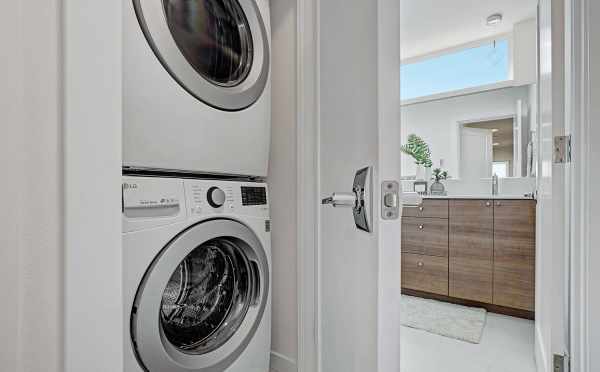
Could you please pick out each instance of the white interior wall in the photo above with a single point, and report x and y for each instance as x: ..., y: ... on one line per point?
x: 92, y: 190
x: 437, y: 122
x: 525, y: 52
x: 282, y: 185
x: 11, y: 103
x: 31, y: 257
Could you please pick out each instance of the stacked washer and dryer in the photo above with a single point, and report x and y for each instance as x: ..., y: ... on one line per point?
x: 196, y: 228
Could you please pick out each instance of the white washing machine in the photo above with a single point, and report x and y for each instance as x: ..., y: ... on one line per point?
x: 196, y: 86
x: 196, y: 264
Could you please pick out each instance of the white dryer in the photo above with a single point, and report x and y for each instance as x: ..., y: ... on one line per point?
x: 196, y: 264
x: 196, y: 86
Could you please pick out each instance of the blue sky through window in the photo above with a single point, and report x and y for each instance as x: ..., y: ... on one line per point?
x: 468, y: 68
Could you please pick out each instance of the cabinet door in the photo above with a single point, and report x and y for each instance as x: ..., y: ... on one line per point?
x: 471, y: 249
x: 431, y: 208
x: 427, y: 236
x: 425, y: 273
x: 514, y: 253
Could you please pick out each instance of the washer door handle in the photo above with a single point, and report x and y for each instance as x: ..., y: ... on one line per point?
x: 255, y: 272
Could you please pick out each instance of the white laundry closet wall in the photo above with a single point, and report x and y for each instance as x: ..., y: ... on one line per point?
x: 283, y: 186
x: 60, y: 155
x: 31, y: 249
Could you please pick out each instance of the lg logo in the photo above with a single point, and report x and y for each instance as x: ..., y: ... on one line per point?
x: 129, y: 186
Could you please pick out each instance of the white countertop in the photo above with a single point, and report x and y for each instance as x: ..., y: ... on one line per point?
x: 491, y: 197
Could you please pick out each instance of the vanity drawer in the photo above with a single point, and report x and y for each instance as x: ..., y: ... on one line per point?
x: 425, y: 273
x: 429, y: 208
x: 426, y: 236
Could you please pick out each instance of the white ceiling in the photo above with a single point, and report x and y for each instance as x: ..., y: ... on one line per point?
x: 432, y: 25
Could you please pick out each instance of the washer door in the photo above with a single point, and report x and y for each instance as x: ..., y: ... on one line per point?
x: 202, y: 299
x: 218, y: 50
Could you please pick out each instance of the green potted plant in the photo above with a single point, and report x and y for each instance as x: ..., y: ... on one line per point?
x: 419, y: 150
x: 438, y: 188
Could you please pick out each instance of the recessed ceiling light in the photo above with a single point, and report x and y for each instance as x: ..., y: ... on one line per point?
x: 495, y: 130
x: 496, y: 144
x: 494, y: 19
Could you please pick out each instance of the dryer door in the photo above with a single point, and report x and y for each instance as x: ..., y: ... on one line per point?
x: 202, y: 300
x: 218, y: 50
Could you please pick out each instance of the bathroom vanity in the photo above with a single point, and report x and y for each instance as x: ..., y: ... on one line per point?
x: 472, y: 250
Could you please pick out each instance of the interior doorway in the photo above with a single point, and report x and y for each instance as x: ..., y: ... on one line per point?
x: 471, y: 252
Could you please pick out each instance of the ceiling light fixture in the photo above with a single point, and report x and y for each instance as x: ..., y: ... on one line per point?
x: 495, y: 130
x: 496, y: 144
x: 494, y: 19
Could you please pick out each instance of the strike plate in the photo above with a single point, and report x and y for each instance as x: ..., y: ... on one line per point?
x: 390, y: 203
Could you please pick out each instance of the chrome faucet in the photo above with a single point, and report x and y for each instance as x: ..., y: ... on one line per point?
x: 495, y: 184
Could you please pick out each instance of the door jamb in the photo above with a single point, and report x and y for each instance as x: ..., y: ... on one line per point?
x: 308, y: 217
x: 579, y: 99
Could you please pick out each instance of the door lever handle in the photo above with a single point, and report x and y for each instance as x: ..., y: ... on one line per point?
x: 328, y: 200
x: 341, y: 199
x: 359, y: 200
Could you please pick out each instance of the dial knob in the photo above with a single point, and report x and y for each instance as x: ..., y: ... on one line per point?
x: 215, y: 197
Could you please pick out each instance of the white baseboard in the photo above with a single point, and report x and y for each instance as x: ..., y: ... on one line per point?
x: 541, y: 354
x: 281, y: 363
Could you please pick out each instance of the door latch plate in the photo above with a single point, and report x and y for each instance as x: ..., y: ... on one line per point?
x: 390, y: 203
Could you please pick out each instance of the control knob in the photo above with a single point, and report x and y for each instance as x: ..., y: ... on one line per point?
x: 215, y: 197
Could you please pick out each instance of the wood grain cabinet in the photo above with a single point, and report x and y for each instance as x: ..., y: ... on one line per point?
x: 471, y: 249
x: 433, y: 208
x: 474, y: 252
x: 514, y: 254
x: 425, y: 273
x: 426, y: 236
x: 425, y: 247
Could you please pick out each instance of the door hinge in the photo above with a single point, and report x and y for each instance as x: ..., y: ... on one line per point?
x: 562, y: 149
x: 561, y: 363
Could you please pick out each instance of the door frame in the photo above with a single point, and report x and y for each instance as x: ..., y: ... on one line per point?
x: 308, y: 197
x: 583, y: 179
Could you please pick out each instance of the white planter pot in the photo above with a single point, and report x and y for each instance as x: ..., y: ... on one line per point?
x: 420, y: 175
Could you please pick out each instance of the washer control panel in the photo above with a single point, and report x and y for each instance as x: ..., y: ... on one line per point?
x: 153, y: 201
x: 216, y: 197
x: 254, y: 195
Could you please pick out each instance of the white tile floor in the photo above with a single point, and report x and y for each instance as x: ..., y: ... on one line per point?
x: 507, y: 345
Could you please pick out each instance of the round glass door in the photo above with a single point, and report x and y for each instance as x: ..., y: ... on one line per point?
x: 207, y: 297
x: 214, y: 36
x: 202, y: 299
x: 217, y: 50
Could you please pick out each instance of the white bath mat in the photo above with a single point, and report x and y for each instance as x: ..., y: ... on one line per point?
x: 442, y: 318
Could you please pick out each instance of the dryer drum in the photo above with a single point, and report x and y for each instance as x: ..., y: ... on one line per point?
x: 208, y: 296
x: 214, y: 36
x: 217, y: 50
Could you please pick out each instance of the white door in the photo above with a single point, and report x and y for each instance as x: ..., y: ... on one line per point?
x: 476, y: 153
x: 359, y: 121
x: 552, y: 275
